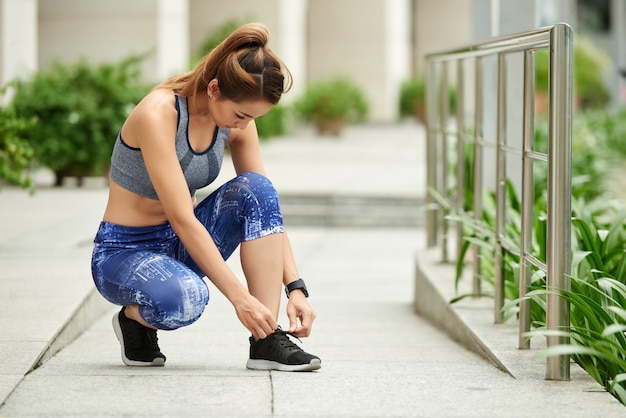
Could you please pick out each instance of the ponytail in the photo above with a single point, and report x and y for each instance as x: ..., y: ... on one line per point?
x: 244, y: 67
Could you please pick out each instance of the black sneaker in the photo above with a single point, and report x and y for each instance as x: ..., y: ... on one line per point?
x: 278, y: 352
x: 139, y: 344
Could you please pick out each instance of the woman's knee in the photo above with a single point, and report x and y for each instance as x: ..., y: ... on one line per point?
x: 258, y: 185
x: 178, y: 303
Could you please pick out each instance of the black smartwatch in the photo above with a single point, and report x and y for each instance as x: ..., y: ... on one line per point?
x: 298, y: 284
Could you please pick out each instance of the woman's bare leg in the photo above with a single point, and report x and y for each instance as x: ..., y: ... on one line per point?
x: 262, y: 262
x: 132, y: 312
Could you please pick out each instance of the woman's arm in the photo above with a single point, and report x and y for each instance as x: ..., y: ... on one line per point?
x: 154, y: 129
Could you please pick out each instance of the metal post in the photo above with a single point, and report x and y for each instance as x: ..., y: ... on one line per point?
x: 500, y: 192
x: 478, y: 170
x: 443, y: 129
x: 527, y: 196
x: 431, y: 154
x: 559, y: 193
x: 460, y: 142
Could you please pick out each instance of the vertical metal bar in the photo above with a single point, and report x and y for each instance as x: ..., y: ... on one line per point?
x: 478, y: 171
x: 443, y: 122
x: 432, y: 210
x: 500, y: 191
x: 528, y: 130
x: 559, y: 193
x: 460, y: 142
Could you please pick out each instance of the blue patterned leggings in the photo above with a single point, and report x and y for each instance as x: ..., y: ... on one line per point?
x: 150, y: 267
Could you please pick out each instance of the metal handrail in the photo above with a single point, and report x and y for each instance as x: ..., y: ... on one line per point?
x: 558, y: 39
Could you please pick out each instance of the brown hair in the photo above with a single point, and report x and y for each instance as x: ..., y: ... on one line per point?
x: 243, y: 66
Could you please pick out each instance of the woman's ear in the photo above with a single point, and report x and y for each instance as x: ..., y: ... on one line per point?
x: 213, y: 89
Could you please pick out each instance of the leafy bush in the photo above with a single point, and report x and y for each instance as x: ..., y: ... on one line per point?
x: 412, y: 99
x: 598, y: 271
x: 337, y: 98
x: 79, y: 109
x: 15, y: 152
x: 273, y: 124
x: 589, y: 65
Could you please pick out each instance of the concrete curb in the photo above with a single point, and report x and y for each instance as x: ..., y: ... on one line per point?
x: 92, y: 307
x: 470, y: 323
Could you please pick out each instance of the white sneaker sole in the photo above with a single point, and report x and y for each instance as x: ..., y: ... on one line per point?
x: 273, y: 365
x: 120, y: 337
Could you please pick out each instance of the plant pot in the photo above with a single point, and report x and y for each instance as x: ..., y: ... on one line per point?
x: 330, y: 126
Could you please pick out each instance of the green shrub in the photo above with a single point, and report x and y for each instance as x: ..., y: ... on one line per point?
x: 15, y: 152
x: 412, y: 99
x: 337, y: 98
x: 79, y: 110
x: 598, y: 267
x: 273, y: 124
x: 589, y: 65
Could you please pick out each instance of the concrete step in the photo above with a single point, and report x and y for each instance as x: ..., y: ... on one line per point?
x: 332, y: 210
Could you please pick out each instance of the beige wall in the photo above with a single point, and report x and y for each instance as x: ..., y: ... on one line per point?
x: 99, y: 30
x: 441, y: 25
x: 344, y: 42
x: 205, y: 16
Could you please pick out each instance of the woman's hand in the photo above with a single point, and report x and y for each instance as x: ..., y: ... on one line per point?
x: 256, y: 317
x: 300, y: 314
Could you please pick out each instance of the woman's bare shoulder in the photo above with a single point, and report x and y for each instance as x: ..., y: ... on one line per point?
x: 156, y: 112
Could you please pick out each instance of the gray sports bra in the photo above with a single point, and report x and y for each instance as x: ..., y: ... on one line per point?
x: 128, y: 168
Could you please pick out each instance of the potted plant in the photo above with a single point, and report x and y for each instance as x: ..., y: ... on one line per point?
x: 79, y: 110
x: 412, y: 100
x: 589, y: 66
x: 331, y: 104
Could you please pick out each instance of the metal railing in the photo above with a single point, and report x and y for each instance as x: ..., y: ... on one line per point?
x: 443, y: 130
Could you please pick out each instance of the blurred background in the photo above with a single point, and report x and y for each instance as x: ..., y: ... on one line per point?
x: 377, y: 44
x: 68, y: 64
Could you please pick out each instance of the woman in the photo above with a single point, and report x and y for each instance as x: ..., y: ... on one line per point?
x: 153, y: 247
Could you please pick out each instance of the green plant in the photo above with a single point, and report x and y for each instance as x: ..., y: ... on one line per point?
x: 15, y: 152
x: 333, y: 99
x: 589, y: 65
x: 79, y: 109
x: 412, y: 99
x: 273, y: 124
x: 597, y: 296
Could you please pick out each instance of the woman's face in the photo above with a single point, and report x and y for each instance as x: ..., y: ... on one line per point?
x: 236, y: 115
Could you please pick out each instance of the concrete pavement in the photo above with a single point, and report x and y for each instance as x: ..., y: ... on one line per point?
x: 378, y: 357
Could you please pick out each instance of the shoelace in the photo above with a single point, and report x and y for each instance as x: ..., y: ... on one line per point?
x: 284, y: 340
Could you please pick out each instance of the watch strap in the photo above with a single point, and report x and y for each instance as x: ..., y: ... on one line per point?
x: 298, y: 284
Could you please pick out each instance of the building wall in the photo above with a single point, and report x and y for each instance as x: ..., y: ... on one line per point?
x: 440, y: 25
x: 97, y: 30
x: 366, y: 47
x: 206, y: 15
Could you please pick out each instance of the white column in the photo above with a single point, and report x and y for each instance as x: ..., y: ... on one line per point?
x: 172, y: 37
x: 397, y: 55
x: 18, y: 41
x: 293, y: 43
